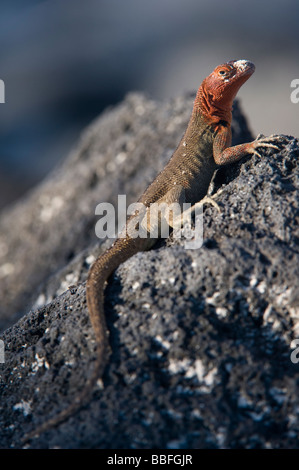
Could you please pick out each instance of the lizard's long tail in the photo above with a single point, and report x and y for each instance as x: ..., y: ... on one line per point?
x: 103, y: 267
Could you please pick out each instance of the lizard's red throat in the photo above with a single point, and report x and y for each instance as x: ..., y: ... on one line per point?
x: 216, y: 93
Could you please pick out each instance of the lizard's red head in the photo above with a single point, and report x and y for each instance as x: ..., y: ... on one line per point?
x: 217, y: 92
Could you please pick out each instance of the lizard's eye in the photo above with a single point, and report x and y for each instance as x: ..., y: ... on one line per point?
x: 222, y: 72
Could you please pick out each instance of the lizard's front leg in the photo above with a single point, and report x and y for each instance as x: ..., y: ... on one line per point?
x: 224, y: 154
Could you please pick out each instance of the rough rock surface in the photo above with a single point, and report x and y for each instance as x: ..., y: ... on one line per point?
x: 200, y: 339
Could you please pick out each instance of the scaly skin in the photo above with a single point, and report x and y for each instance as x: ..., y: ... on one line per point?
x: 186, y: 178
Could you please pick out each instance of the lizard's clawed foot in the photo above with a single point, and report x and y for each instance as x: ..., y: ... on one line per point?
x: 267, y: 142
x: 180, y: 221
x: 208, y: 200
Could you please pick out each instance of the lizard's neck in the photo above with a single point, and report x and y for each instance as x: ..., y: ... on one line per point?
x: 212, y: 111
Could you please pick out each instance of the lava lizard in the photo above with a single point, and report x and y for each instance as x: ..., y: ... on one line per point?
x: 204, y: 147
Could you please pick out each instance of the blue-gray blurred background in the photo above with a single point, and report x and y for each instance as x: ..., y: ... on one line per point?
x: 65, y: 61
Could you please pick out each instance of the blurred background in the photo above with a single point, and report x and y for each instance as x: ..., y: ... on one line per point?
x: 64, y: 61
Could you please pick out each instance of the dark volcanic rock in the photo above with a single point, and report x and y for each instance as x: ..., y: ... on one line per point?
x: 200, y: 339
